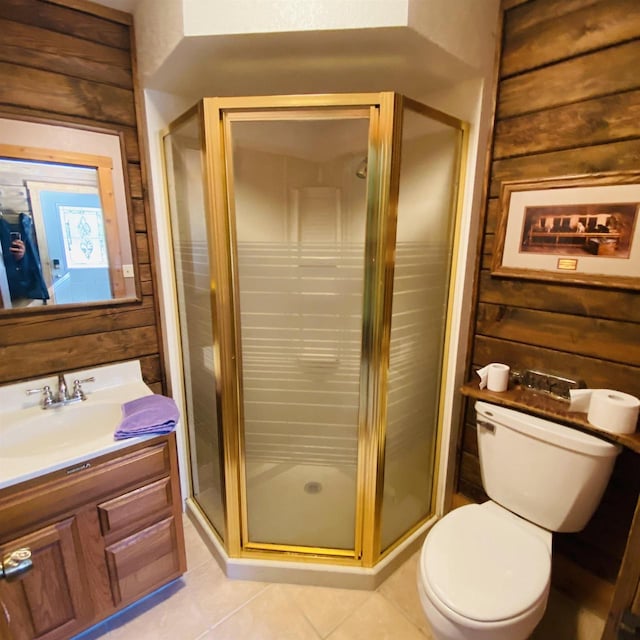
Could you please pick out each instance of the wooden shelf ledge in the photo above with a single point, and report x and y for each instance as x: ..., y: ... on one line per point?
x: 544, y: 406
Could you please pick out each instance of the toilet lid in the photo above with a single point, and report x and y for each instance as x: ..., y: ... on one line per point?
x: 485, y: 566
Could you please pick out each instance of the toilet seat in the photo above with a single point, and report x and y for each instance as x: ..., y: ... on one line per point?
x: 485, y: 566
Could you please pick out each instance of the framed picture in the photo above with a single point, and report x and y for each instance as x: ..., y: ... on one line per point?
x: 579, y: 229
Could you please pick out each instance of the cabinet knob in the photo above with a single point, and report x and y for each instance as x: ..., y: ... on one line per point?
x: 16, y: 563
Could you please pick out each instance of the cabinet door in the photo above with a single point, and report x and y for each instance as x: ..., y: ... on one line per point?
x: 49, y: 602
x: 144, y: 561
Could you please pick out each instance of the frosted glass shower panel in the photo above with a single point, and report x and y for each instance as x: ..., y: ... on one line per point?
x: 192, y: 267
x: 300, y: 214
x: 424, y: 241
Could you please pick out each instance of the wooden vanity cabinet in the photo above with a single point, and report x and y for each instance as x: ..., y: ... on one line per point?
x: 103, y: 534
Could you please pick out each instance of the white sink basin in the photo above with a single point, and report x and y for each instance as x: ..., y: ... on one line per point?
x: 35, y: 441
x: 35, y: 432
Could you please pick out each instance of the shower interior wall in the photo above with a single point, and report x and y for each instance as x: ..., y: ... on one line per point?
x: 318, y: 337
x: 261, y: 188
x: 297, y: 258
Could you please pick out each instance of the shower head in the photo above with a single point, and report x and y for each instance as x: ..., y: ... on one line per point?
x: 361, y: 171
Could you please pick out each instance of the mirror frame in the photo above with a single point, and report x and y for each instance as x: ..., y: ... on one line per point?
x: 104, y: 166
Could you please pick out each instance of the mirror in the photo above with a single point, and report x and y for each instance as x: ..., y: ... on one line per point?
x: 65, y: 236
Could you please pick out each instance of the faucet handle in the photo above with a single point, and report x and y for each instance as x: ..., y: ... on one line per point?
x: 77, y: 388
x: 47, y: 395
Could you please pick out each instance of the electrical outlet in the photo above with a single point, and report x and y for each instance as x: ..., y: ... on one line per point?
x: 127, y: 270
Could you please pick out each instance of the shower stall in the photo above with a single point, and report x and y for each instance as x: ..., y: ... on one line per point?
x: 314, y: 240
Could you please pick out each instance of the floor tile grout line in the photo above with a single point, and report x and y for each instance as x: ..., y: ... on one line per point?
x: 404, y: 614
x: 323, y: 637
x: 265, y: 588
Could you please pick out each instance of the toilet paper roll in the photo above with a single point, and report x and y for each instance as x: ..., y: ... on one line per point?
x: 495, y: 376
x: 613, y: 411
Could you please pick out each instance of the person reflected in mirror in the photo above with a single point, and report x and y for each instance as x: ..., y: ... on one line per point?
x: 21, y: 257
x: 17, y: 249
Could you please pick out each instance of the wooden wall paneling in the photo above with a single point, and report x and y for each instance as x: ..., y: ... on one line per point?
x: 77, y: 323
x: 46, y: 90
x: 544, y: 296
x: 530, y: 13
x: 76, y: 66
x: 151, y: 368
x: 142, y: 248
x: 571, y: 81
x: 466, y: 486
x: 493, y: 215
x: 612, y: 522
x: 522, y: 356
x: 78, y: 352
x: 115, y: 15
x: 596, y: 121
x: 31, y: 38
x: 595, y: 26
x: 82, y: 24
x: 139, y: 215
x: 145, y: 273
x: 616, y: 156
x: 132, y: 148
x: 591, y: 592
x: 69, y: 65
x: 627, y: 580
x: 147, y: 289
x: 580, y: 335
x: 568, y: 103
x: 134, y: 173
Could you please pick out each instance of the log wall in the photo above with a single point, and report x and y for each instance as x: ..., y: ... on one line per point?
x: 568, y: 103
x: 69, y: 62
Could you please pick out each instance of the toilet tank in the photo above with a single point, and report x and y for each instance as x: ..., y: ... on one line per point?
x: 548, y: 473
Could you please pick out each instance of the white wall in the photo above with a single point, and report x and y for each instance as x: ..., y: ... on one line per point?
x: 160, y: 110
x: 203, y: 17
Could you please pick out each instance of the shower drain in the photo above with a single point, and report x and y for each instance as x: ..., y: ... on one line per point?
x: 313, y: 487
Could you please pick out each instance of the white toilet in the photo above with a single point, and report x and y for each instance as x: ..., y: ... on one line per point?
x: 485, y: 570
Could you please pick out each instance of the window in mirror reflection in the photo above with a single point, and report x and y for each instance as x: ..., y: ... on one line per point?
x: 64, y: 226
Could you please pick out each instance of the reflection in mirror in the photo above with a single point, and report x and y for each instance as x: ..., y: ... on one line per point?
x: 64, y: 227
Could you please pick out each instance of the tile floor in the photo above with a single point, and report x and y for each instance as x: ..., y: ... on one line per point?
x: 205, y: 605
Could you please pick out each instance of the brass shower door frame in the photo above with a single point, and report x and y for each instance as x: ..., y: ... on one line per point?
x: 385, y: 121
x: 455, y: 210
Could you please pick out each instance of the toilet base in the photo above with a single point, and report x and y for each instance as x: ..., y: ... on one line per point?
x: 456, y: 628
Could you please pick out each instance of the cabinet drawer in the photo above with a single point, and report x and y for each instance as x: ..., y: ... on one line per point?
x: 144, y: 561
x: 132, y: 509
x: 82, y: 484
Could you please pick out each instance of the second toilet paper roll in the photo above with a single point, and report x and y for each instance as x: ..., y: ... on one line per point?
x: 495, y: 376
x: 607, y: 409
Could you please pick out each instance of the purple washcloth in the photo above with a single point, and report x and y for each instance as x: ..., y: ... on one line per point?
x: 155, y: 414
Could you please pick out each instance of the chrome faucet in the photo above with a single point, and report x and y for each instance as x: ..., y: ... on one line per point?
x: 63, y: 394
x: 52, y: 401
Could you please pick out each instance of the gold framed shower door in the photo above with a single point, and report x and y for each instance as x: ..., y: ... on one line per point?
x: 385, y: 113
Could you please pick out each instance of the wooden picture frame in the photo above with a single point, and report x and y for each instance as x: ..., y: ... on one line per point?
x: 578, y: 229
